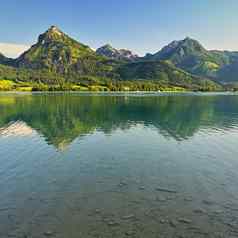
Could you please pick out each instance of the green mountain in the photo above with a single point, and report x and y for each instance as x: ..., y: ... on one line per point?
x: 229, y: 73
x: 57, y: 52
x: 54, y: 50
x: 191, y: 56
x: 164, y: 72
x: 58, y: 62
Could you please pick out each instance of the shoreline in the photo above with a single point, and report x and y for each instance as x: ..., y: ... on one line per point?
x: 138, y: 93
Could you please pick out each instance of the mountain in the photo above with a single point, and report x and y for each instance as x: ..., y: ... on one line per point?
x: 177, y: 51
x: 122, y: 54
x: 165, y: 73
x: 4, y: 59
x: 58, y: 62
x: 57, y: 52
x: 191, y: 56
x: 229, y: 73
x: 54, y: 50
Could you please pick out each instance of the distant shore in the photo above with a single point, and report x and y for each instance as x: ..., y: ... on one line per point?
x: 124, y: 92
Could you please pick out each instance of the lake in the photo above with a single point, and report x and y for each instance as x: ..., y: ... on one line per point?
x: 118, y: 165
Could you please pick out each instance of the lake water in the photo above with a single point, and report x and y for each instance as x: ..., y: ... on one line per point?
x: 118, y: 165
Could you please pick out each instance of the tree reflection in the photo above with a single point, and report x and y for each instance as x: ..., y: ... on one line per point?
x: 61, y: 118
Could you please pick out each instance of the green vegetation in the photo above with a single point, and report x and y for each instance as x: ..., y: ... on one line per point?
x: 147, y: 76
x: 191, y: 56
x: 6, y: 85
x: 54, y: 50
x: 57, y: 53
x: 59, y: 63
x: 165, y: 73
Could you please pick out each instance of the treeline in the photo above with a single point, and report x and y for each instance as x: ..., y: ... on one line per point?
x: 8, y: 85
x: 43, y: 80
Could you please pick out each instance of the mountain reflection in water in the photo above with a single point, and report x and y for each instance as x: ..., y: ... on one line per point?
x: 76, y: 165
x: 61, y: 118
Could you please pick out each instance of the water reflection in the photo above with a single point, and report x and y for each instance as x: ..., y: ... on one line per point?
x: 61, y: 118
x: 141, y: 166
x: 16, y: 129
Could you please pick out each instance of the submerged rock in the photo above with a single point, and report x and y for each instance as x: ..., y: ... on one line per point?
x: 188, y: 199
x: 199, y: 210
x: 113, y: 223
x: 48, y: 233
x: 173, y: 223
x: 130, y: 233
x: 162, y: 221
x: 208, y: 202
x: 122, y: 184
x: 97, y: 211
x: 184, y: 220
x: 128, y: 217
x: 167, y: 190
x: 161, y: 199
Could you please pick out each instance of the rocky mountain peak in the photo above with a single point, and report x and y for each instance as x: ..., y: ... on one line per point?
x: 52, y: 34
x: 177, y: 51
x: 121, y: 54
x: 189, y: 42
x: 54, y: 50
x: 54, y: 30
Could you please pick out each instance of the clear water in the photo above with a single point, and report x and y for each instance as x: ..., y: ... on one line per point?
x: 78, y: 165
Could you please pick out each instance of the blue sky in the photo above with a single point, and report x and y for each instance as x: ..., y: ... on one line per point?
x: 143, y: 26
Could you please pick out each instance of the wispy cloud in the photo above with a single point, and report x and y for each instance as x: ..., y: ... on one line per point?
x: 12, y: 50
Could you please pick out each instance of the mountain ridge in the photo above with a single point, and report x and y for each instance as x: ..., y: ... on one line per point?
x: 65, y: 60
x: 53, y: 48
x: 191, y: 56
x: 4, y: 59
x: 113, y: 53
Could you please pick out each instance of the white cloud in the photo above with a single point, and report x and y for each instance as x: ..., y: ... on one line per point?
x: 12, y: 50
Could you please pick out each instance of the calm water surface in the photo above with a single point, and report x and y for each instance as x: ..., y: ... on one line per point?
x: 155, y: 166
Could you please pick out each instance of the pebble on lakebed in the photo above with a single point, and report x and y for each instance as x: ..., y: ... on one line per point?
x: 130, y: 233
x: 113, y: 223
x: 122, y: 184
x: 208, y: 202
x: 97, y: 211
x: 184, y: 220
x: 127, y: 217
x: 48, y: 233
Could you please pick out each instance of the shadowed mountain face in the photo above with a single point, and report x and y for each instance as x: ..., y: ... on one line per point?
x: 4, y: 59
x: 163, y: 72
x: 63, y: 118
